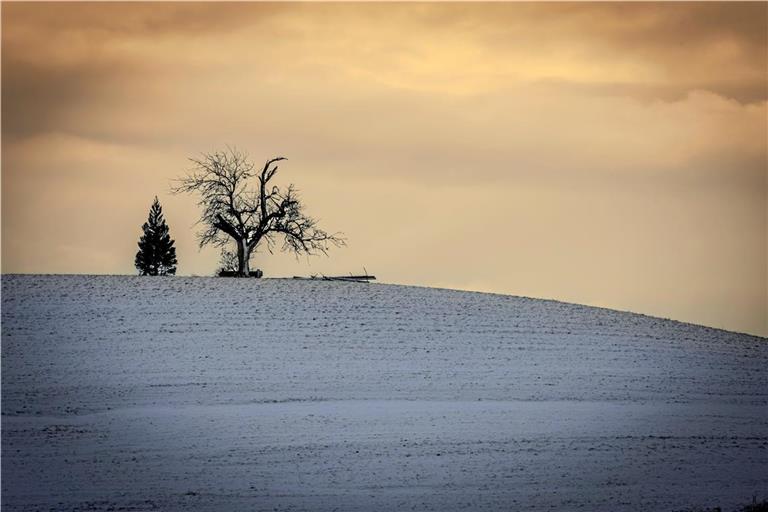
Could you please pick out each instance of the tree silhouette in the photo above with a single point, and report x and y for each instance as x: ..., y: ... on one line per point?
x: 227, y: 262
x: 232, y: 210
x: 157, y: 255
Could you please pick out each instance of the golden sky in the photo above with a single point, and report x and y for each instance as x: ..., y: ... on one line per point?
x: 606, y: 154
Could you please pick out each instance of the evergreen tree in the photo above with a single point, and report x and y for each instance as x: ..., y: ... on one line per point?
x: 157, y: 255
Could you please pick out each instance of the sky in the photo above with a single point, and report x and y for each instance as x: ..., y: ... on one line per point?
x: 598, y: 153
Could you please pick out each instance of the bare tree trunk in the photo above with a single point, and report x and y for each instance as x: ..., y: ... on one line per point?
x: 243, y: 255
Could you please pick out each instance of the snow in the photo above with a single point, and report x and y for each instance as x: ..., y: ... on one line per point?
x: 141, y: 393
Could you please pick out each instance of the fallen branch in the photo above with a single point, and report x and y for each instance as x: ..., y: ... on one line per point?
x: 350, y: 278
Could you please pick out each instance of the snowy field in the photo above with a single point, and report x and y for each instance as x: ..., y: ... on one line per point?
x: 128, y: 393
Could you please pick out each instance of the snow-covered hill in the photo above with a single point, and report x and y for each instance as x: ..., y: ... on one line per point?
x: 228, y: 394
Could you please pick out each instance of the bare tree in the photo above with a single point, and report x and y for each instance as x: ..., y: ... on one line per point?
x: 227, y: 262
x: 232, y: 210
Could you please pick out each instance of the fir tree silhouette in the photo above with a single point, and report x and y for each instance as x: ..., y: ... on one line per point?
x: 157, y: 255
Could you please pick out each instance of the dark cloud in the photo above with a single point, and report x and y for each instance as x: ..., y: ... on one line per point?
x: 103, y: 20
x: 56, y: 59
x: 678, y: 38
x: 36, y: 98
x: 61, y: 58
